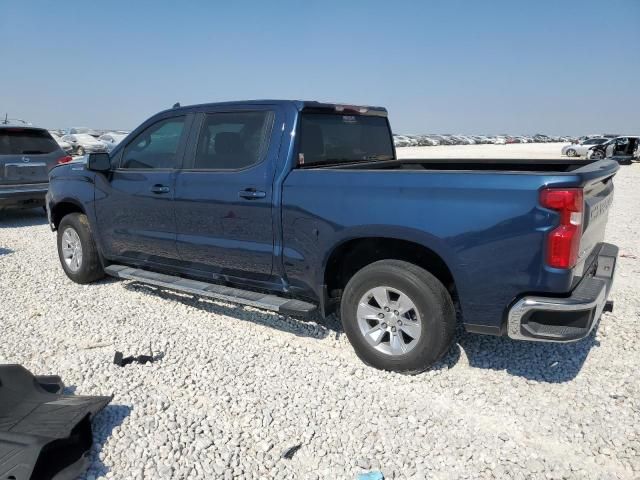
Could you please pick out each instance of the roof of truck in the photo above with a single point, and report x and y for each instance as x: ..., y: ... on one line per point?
x: 306, y: 105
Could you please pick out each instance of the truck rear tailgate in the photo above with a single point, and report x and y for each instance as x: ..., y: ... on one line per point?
x: 598, y: 197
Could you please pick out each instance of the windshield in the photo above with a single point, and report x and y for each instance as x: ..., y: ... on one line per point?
x: 334, y: 139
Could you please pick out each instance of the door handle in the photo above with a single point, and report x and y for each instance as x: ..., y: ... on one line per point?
x: 160, y: 189
x: 251, y: 194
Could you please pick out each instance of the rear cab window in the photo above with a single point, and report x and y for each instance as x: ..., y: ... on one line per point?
x: 333, y: 138
x: 26, y: 141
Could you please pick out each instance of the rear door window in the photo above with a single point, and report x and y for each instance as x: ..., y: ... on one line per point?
x: 233, y: 140
x: 26, y: 141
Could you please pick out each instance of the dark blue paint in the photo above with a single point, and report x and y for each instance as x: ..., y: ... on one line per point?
x: 132, y: 221
x: 220, y: 232
x: 487, y: 226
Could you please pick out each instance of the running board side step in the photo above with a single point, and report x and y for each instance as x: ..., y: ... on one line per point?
x: 284, y: 306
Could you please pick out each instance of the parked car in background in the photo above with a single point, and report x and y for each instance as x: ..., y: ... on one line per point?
x: 211, y: 200
x: 443, y: 139
x: 66, y: 146
x: 483, y: 139
x: 84, y: 143
x: 540, y: 138
x: 413, y: 141
x: 82, y: 130
x: 499, y: 140
x: 426, y: 141
x: 26, y: 156
x: 621, y: 149
x: 112, y: 139
x: 581, y: 149
x: 460, y: 140
x: 400, y: 141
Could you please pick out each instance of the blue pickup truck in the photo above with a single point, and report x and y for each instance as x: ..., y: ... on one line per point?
x: 296, y: 207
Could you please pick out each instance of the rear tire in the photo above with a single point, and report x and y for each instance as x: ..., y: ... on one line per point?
x: 412, y: 328
x: 571, y: 152
x: 77, y: 249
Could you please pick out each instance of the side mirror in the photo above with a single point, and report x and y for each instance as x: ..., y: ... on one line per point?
x: 99, y: 162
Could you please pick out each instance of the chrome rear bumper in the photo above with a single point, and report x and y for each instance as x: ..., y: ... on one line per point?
x: 550, y: 319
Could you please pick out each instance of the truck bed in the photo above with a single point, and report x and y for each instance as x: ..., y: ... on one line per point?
x: 483, y: 218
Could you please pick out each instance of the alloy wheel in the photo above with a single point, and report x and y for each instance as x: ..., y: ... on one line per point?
x: 71, y: 249
x: 389, y: 320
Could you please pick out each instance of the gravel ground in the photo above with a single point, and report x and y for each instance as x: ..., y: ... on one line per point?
x: 238, y: 386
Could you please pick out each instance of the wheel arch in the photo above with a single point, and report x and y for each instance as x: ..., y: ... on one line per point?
x: 63, y: 208
x: 352, y: 254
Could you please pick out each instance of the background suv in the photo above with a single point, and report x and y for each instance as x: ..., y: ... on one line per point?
x: 26, y: 156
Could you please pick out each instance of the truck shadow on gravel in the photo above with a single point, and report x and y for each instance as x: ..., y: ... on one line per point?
x: 103, y: 425
x: 22, y: 218
x: 310, y: 327
x: 542, y: 362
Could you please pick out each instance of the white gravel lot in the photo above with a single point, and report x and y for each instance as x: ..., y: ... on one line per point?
x: 238, y: 386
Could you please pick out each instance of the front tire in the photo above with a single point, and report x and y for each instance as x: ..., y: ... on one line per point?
x: 77, y: 249
x: 397, y: 316
x: 80, y: 151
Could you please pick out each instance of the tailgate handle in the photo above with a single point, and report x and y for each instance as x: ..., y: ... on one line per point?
x: 252, y: 194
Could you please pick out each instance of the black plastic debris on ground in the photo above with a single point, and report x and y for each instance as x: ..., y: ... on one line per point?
x: 44, y: 435
x: 291, y: 451
x: 120, y: 360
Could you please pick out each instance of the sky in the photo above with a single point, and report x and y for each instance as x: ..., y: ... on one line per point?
x: 566, y: 67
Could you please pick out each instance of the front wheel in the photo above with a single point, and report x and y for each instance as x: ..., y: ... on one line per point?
x: 597, y: 155
x: 77, y: 249
x: 80, y: 151
x: 397, y: 316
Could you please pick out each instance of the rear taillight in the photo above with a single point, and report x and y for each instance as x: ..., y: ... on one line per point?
x: 563, y: 242
x: 65, y: 159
